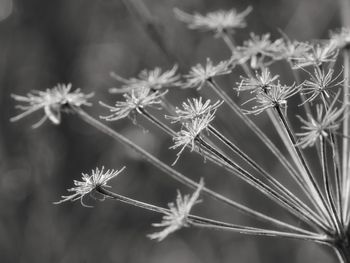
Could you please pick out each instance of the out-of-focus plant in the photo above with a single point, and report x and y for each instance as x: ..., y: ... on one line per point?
x: 324, y: 118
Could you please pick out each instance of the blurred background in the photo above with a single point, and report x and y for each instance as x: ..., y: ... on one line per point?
x: 80, y: 42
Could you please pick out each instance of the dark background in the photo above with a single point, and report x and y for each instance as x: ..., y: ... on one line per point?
x: 80, y: 41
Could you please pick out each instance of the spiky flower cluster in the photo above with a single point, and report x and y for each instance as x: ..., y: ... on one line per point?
x: 326, y: 122
x: 190, y: 132
x: 151, y: 79
x: 316, y: 55
x: 259, y: 51
x: 98, y: 178
x: 52, y: 101
x: 199, y: 74
x: 219, y: 21
x: 135, y: 100
x: 322, y: 83
x: 177, y: 215
x: 193, y: 109
x: 322, y: 214
x: 261, y: 82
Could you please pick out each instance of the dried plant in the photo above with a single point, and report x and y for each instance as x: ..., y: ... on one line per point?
x: 324, y: 100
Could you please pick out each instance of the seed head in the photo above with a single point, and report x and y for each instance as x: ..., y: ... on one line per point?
x: 256, y: 50
x: 219, y: 21
x: 177, y: 216
x: 135, y: 100
x: 190, y: 132
x: 152, y: 79
x: 321, y: 82
x: 194, y: 108
x: 261, y: 82
x: 341, y: 39
x: 276, y: 96
x: 324, y: 123
x: 199, y: 74
x: 52, y: 101
x: 317, y: 55
x: 89, y: 183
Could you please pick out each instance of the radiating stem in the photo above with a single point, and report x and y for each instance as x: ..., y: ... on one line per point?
x: 261, y: 135
x: 345, y: 141
x: 178, y: 176
x: 336, y: 165
x: 214, y: 155
x: 327, y: 186
x: 214, y: 224
x: 314, y: 186
x: 262, y: 187
x: 283, y: 190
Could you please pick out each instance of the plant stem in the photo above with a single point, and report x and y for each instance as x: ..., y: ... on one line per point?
x: 327, y: 186
x: 283, y: 190
x: 261, y: 135
x: 178, y: 176
x: 345, y: 141
x: 214, y: 224
x: 216, y: 156
x: 310, y: 179
x: 262, y: 187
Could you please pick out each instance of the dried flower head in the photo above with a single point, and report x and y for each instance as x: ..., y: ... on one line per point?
x: 190, y: 132
x: 135, y: 100
x: 177, y: 216
x: 152, y: 79
x: 276, y: 96
x: 341, y: 39
x: 257, y: 50
x: 53, y: 101
x: 317, y: 55
x: 290, y: 49
x: 321, y: 83
x: 89, y: 183
x: 326, y: 121
x: 221, y: 21
x: 261, y: 82
x: 194, y: 108
x: 199, y: 74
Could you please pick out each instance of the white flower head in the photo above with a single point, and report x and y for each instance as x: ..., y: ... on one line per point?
x: 318, y: 54
x: 292, y: 49
x: 341, y: 39
x: 199, y: 74
x: 257, y: 50
x: 194, y: 108
x: 177, y: 215
x: 260, y: 82
x: 98, y: 178
x: 219, y: 21
x: 326, y: 121
x: 190, y: 132
x: 276, y: 96
x: 52, y: 101
x: 321, y: 83
x: 134, y: 101
x: 152, y: 79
